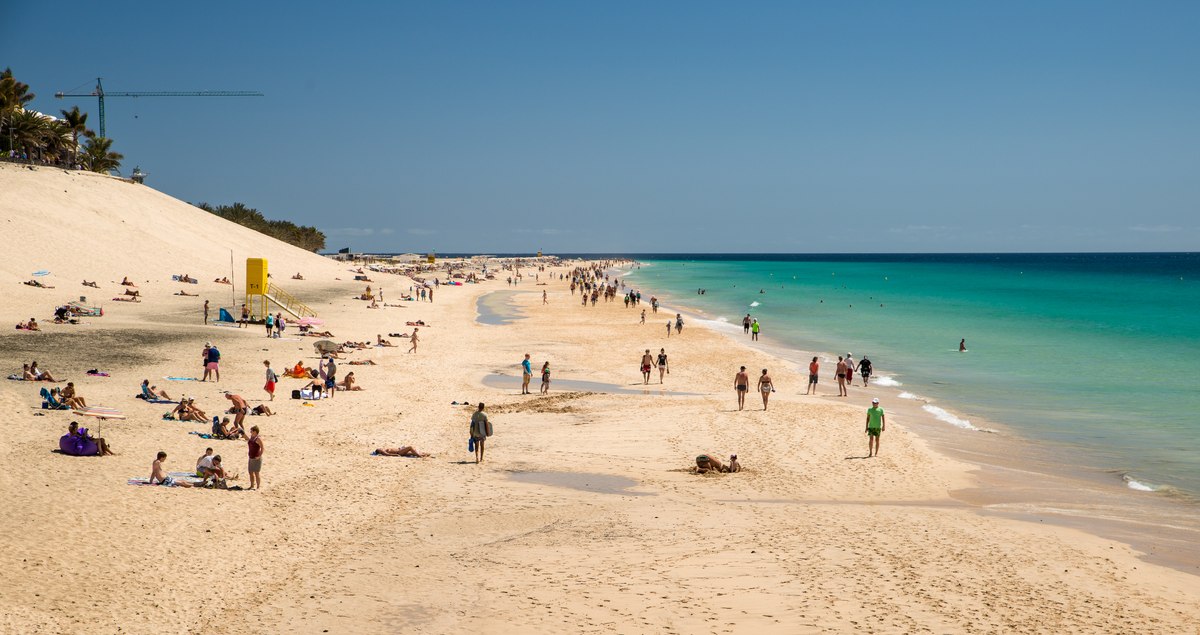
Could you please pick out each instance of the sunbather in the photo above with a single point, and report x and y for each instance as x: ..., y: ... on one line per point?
x: 297, y: 276
x: 102, y: 447
x: 194, y: 295
x: 186, y: 278
x: 133, y: 292
x: 224, y: 429
x: 362, y: 362
x: 709, y: 463
x: 407, y: 450
x: 187, y: 411
x: 125, y: 299
x: 125, y: 281
x: 261, y: 409
x: 71, y: 399
x: 32, y: 325
x: 298, y: 371
x: 158, y: 476
x: 38, y: 284
x: 91, y: 284
x: 222, y: 281
x: 40, y: 375
x: 379, y: 341
x: 349, y: 383
x: 152, y: 393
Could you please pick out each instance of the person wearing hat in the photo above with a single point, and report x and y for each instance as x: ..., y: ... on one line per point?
x: 876, y: 424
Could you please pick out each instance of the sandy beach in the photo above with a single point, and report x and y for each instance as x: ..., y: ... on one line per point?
x: 586, y: 515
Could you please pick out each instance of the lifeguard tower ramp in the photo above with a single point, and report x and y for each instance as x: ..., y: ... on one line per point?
x: 259, y: 288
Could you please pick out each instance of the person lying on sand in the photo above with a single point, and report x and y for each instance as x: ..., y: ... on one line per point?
x: 125, y: 281
x: 102, y: 447
x: 187, y: 278
x: 152, y: 392
x: 38, y: 284
x: 194, y: 295
x: 373, y: 305
x: 158, y: 475
x: 348, y: 383
x: 362, y: 362
x: 408, y: 451
x: 222, y: 281
x: 417, y: 323
x: 91, y: 284
x: 133, y: 292
x: 261, y: 409
x: 319, y: 334
x: 379, y: 341
x: 71, y: 398
x: 297, y: 276
x: 39, y: 374
x: 709, y: 463
x: 125, y: 299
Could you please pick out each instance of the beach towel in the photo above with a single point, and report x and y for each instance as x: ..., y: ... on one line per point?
x: 97, y: 373
x: 181, y: 378
x: 100, y: 412
x: 39, y: 274
x: 189, y: 477
x: 206, y: 435
x: 177, y: 279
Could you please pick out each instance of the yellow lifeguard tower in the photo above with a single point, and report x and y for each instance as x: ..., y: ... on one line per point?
x: 259, y: 287
x: 431, y: 257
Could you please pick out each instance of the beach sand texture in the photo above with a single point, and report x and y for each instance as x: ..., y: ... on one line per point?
x: 585, y: 517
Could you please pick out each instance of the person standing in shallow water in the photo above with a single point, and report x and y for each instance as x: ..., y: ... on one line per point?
x: 962, y: 345
x: 754, y: 329
x: 741, y: 384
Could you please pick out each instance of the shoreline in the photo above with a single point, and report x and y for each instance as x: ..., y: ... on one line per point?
x: 1038, y: 487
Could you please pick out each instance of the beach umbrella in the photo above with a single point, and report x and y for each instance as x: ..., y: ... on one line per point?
x: 325, y: 346
x: 310, y: 321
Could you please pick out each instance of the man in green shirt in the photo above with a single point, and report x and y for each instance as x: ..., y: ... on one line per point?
x: 876, y: 424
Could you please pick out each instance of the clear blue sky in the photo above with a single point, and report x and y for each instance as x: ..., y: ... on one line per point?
x: 655, y: 126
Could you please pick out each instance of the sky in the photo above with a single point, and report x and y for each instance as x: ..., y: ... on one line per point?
x: 651, y: 127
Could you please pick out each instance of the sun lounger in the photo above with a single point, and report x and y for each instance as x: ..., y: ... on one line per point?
x: 50, y: 403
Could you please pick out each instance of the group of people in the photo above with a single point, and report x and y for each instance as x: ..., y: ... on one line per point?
x: 527, y: 374
x: 209, y: 467
x: 741, y: 386
x: 649, y: 362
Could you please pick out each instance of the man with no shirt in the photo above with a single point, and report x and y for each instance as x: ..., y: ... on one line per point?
x: 647, y: 364
x: 741, y: 383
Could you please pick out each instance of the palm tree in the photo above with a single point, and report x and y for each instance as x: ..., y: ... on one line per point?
x: 13, y: 97
x: 78, y: 123
x: 99, y: 156
x: 27, y: 130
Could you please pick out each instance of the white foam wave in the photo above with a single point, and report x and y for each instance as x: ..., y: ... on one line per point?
x: 1136, y: 485
x: 753, y: 304
x: 942, y: 415
x: 884, y: 380
x: 907, y: 395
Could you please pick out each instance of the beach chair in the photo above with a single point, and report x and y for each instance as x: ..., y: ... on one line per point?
x: 50, y: 403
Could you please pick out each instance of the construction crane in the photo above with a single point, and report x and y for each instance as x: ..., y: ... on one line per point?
x: 100, y: 94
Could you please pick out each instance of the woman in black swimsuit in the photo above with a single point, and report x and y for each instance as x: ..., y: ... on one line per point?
x: 662, y: 364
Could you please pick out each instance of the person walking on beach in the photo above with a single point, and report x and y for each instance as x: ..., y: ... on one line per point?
x: 255, y: 445
x: 678, y: 323
x: 766, y: 387
x: 746, y: 324
x: 813, y: 369
x: 647, y: 364
x: 272, y: 379
x: 526, y: 374
x: 741, y: 383
x: 239, y: 408
x: 754, y: 328
x: 279, y: 324
x: 668, y: 329
x: 850, y: 368
x: 841, y: 376
x: 413, y: 340
x: 663, y: 369
x: 643, y: 317
x: 206, y: 311
x: 544, y: 300
x: 864, y: 369
x: 331, y: 377
x: 245, y: 321
x: 546, y: 378
x: 481, y: 429
x: 876, y: 424
x: 270, y: 325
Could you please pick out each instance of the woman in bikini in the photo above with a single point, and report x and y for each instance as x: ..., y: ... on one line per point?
x: 765, y: 387
x: 662, y: 364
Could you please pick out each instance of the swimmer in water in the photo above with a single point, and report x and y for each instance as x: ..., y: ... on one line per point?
x: 962, y: 345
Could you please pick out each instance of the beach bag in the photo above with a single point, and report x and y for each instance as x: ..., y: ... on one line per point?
x: 295, y: 394
x: 471, y: 444
x: 487, y: 428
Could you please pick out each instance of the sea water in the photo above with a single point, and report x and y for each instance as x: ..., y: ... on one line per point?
x: 1095, y: 353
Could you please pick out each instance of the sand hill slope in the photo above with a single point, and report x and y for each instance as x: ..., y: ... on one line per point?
x: 81, y: 225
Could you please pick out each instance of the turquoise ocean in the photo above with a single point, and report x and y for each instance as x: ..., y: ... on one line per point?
x: 1095, y: 354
